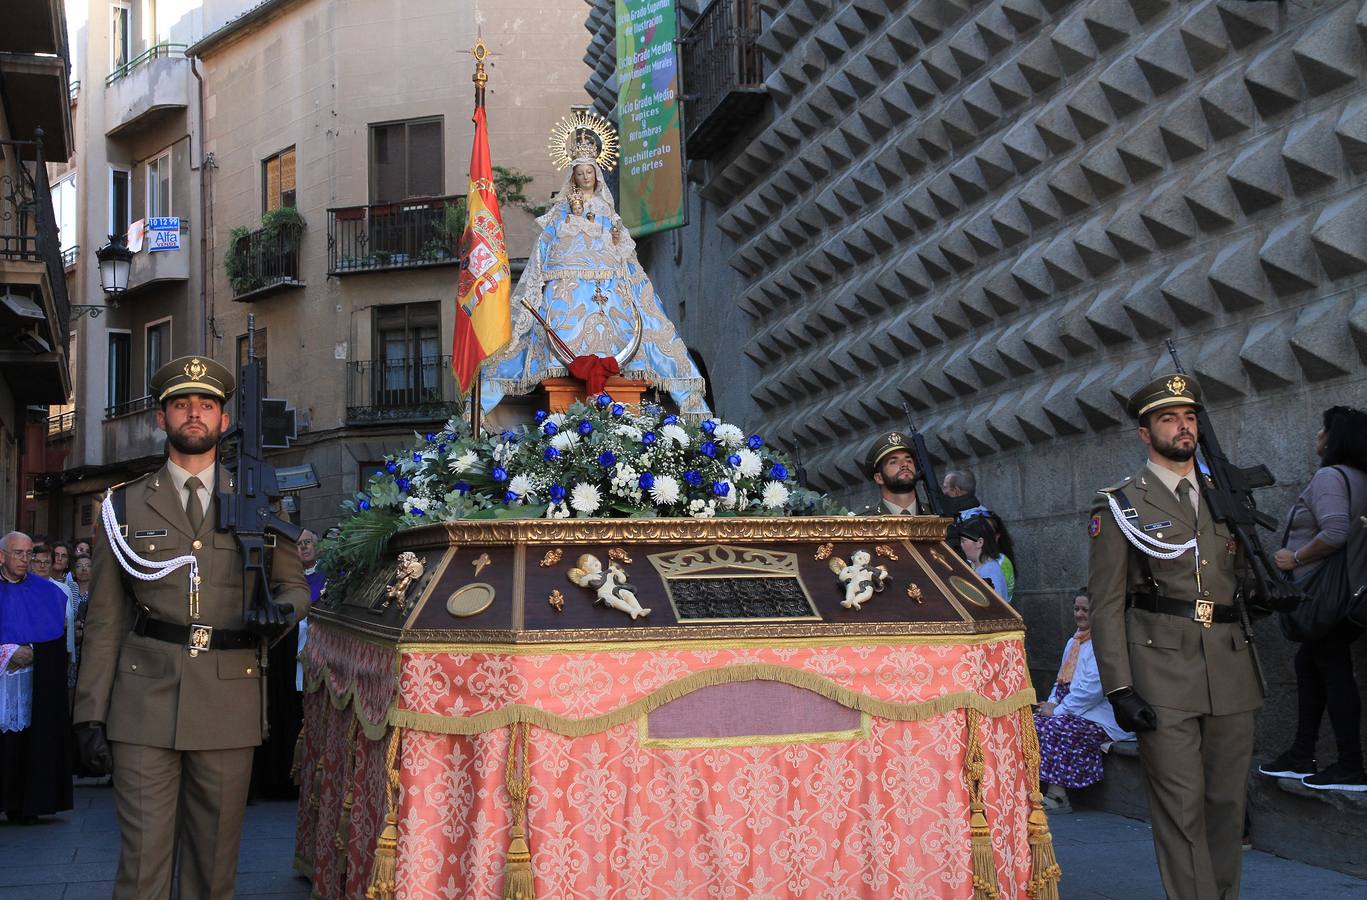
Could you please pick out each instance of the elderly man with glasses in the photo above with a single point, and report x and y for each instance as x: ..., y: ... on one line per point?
x: 35, y: 720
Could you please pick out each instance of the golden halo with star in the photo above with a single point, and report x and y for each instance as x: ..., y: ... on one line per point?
x: 571, y: 134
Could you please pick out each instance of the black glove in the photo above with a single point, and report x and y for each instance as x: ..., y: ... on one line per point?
x: 95, y: 760
x: 1132, y: 712
x: 269, y: 618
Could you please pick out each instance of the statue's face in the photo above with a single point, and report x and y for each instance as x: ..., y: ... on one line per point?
x: 585, y: 178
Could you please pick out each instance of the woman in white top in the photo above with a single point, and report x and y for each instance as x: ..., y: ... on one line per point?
x: 1076, y: 722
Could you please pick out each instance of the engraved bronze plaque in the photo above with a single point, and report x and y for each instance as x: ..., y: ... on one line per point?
x: 723, y: 583
x: 470, y: 600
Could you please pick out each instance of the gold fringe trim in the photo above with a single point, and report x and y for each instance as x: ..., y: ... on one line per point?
x: 297, y: 763
x: 518, y: 883
x: 975, y: 766
x: 1044, y: 868
x: 563, y: 725
x: 382, y: 876
x: 342, y: 839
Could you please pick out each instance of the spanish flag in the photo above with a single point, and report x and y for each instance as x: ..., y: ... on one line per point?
x: 483, y: 310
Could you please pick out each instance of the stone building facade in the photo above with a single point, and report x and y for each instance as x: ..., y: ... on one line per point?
x: 996, y: 212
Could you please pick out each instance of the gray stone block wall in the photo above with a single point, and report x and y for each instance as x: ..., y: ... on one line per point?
x: 997, y: 211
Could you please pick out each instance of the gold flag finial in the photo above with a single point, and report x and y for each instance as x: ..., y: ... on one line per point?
x: 480, y: 51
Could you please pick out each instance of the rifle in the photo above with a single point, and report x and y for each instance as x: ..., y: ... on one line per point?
x: 938, y: 503
x: 248, y: 511
x: 1229, y: 492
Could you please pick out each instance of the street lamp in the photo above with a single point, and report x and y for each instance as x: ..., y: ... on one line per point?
x: 114, y: 260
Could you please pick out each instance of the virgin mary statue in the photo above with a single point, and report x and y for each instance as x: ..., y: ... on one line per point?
x: 584, y: 294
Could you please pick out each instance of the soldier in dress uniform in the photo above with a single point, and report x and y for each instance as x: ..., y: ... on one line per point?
x: 892, y: 466
x: 1174, y: 660
x: 169, y: 675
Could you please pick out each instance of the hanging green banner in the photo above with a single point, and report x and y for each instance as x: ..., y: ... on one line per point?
x: 648, y: 108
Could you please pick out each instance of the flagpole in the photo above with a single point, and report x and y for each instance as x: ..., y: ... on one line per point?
x: 480, y: 78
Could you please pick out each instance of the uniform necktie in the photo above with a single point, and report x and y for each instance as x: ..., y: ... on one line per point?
x: 194, y: 510
x: 1184, y: 494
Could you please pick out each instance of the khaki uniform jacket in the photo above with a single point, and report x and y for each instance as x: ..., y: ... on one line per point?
x: 152, y: 692
x: 1170, y: 661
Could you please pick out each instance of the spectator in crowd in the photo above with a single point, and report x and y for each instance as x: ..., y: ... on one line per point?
x: 308, y: 555
x: 1008, y: 552
x: 961, y: 486
x: 980, y: 549
x: 61, y: 561
x: 1319, y: 526
x: 80, y: 584
x: 80, y: 548
x: 41, y: 566
x: 35, y: 723
x: 1076, y: 724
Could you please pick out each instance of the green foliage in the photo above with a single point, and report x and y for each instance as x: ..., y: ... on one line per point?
x: 359, y: 542
x: 243, y: 261
x: 236, y: 263
x: 509, y: 187
x: 282, y: 218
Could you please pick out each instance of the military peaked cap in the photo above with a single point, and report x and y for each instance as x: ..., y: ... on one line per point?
x: 193, y: 375
x: 885, y: 444
x: 1165, y: 391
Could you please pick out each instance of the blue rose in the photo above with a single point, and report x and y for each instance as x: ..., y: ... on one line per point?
x: 708, y: 426
x: 550, y: 429
x: 652, y: 409
x: 364, y: 504
x: 509, y: 435
x: 417, y: 458
x: 778, y: 472
x: 586, y: 428
x: 708, y: 448
x: 391, y: 467
x: 602, y: 400
x: 646, y: 481
x: 607, y: 459
x: 500, y: 473
x: 671, y: 420
x: 402, y: 484
x: 693, y: 477
x: 417, y: 512
x: 441, y: 448
x: 734, y: 459
x: 509, y: 496
x: 431, y: 437
x: 462, y: 487
x: 557, y: 493
x: 552, y: 454
x: 540, y: 416
x: 648, y: 438
x: 379, y: 473
x: 721, y: 488
x: 618, y: 409
x: 755, y: 442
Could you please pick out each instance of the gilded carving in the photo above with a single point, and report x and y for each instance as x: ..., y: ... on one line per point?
x: 617, y: 554
x: 914, y: 592
x: 886, y: 552
x: 824, y: 551
x: 479, y: 562
x: 552, y: 557
x: 409, y: 570
x: 556, y: 600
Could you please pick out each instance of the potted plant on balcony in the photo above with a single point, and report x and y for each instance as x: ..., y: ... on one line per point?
x: 256, y: 258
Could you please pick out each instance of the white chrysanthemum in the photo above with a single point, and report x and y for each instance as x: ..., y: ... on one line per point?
x: 676, y: 434
x: 729, y: 435
x: 585, y: 498
x: 775, y: 495
x: 466, y: 462
x: 750, y: 463
x: 557, y: 419
x: 665, y: 490
x: 565, y: 440
x: 631, y: 432
x: 520, y: 485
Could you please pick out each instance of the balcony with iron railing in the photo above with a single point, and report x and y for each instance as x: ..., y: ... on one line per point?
x: 152, y: 85
x: 130, y: 429
x: 723, y: 75
x: 61, y: 426
x: 70, y: 255
x: 401, y: 390
x: 406, y: 234
x: 264, y: 261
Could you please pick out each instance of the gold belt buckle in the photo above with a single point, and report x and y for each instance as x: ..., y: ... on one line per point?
x: 200, y: 638
x: 1205, y: 612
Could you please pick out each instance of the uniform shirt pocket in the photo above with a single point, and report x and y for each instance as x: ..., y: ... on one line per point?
x: 235, y: 664
x: 1142, y: 633
x: 144, y: 661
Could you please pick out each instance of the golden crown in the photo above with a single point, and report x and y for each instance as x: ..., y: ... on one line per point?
x: 584, y: 135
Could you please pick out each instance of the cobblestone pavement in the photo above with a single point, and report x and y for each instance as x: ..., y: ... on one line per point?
x: 1102, y: 855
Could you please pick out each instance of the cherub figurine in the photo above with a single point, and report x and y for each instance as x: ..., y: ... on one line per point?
x: 861, y: 581
x: 612, y: 586
x: 409, y: 570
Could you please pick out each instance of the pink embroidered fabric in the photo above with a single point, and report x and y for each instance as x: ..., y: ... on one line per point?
x: 879, y: 816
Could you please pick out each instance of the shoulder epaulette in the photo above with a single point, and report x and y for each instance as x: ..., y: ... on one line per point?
x: 1118, y: 486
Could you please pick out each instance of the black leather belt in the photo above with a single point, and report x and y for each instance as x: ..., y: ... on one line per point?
x: 195, y: 636
x: 1203, y: 611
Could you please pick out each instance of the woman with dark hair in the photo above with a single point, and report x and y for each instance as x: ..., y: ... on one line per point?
x: 1008, y: 552
x: 1318, y: 526
x: 980, y: 549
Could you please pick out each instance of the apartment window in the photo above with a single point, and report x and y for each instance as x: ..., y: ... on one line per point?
x: 277, y: 180
x: 259, y: 349
x: 158, y: 345
x: 120, y: 36
x: 408, y: 348
x: 406, y: 160
x: 120, y: 200
x: 64, y: 208
x: 159, y: 185
x: 120, y: 369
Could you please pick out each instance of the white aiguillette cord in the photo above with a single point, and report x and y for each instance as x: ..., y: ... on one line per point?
x: 128, y: 558
x: 1151, y: 546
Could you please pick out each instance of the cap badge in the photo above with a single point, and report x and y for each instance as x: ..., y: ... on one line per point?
x: 195, y: 370
x: 894, y: 438
x: 1177, y: 385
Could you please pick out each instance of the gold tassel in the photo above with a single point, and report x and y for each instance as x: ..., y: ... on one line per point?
x: 518, y: 883
x: 317, y: 788
x: 984, y: 866
x: 344, y: 820
x: 382, y: 876
x: 1044, y: 869
x: 297, y: 765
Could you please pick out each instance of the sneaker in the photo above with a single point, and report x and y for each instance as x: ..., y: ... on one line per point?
x: 1337, y: 777
x: 1288, y: 765
x: 1058, y: 805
